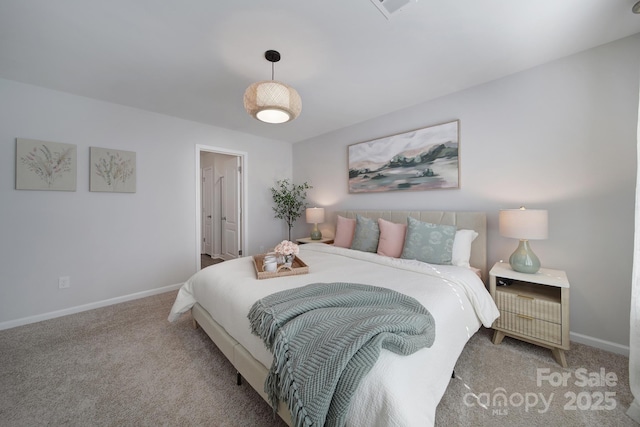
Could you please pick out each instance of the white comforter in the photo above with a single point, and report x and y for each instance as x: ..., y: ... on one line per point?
x: 399, y: 390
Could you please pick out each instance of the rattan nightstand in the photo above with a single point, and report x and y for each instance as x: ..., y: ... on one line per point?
x: 533, y: 307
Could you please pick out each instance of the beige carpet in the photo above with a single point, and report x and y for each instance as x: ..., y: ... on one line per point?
x: 125, y: 365
x: 528, y: 376
x: 206, y: 260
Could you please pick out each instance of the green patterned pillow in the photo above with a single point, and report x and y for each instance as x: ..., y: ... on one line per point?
x: 426, y: 242
x: 366, y: 235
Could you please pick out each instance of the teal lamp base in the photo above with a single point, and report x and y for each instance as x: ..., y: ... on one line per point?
x: 315, y: 233
x: 524, y: 260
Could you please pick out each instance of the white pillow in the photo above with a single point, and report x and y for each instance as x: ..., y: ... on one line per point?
x: 461, y: 251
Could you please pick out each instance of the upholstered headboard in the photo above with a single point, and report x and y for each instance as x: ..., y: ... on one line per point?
x: 463, y: 220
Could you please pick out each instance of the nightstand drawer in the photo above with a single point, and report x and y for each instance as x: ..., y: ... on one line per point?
x: 521, y: 302
x: 529, y: 326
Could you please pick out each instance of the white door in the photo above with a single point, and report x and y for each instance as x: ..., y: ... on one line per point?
x: 231, y: 214
x: 207, y: 210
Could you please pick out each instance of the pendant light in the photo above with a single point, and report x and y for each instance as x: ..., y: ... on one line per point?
x: 271, y: 101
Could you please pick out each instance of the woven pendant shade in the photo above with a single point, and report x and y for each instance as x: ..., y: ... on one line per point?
x: 271, y: 101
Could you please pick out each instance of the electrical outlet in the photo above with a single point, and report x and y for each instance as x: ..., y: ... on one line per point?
x: 64, y: 282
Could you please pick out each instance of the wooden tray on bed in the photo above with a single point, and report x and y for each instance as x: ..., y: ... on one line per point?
x: 297, y: 267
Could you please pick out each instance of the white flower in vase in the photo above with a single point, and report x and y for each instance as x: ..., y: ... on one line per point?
x: 287, y: 251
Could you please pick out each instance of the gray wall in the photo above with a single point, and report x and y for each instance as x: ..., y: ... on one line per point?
x: 112, y: 245
x: 561, y: 137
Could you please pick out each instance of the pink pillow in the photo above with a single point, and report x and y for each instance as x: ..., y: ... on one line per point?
x: 391, y: 238
x: 345, y: 228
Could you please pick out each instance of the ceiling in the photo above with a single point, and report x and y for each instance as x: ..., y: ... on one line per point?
x: 193, y: 59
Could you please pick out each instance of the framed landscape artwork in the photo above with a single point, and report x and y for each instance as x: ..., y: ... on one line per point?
x: 45, y: 165
x: 112, y: 170
x: 423, y: 159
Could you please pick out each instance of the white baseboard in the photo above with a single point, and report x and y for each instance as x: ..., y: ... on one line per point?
x: 579, y: 338
x: 601, y: 344
x: 72, y: 310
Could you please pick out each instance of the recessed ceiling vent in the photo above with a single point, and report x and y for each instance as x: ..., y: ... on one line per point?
x: 390, y: 7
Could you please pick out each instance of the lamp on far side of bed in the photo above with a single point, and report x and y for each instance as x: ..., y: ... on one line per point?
x: 524, y: 224
x: 315, y: 216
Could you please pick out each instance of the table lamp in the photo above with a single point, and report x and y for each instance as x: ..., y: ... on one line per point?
x: 524, y: 224
x: 315, y: 216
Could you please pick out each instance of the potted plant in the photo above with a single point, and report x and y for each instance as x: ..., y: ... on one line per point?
x: 290, y: 201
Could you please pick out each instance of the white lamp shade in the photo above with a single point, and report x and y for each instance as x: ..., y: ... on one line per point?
x: 524, y: 224
x: 271, y: 101
x: 315, y: 215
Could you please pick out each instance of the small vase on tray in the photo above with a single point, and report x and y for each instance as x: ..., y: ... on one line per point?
x: 288, y: 260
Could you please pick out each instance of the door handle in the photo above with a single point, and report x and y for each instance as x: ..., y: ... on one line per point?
x: 208, y: 216
x: 224, y: 218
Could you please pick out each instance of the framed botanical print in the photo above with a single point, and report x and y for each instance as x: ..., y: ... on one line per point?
x: 112, y: 170
x: 45, y: 165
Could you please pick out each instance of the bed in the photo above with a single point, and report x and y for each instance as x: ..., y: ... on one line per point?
x: 399, y: 390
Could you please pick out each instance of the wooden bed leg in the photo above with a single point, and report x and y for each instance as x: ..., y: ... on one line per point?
x: 497, y: 337
x: 238, y: 378
x: 558, y: 354
x: 194, y: 323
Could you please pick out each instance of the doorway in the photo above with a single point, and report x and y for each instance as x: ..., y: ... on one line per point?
x: 220, y: 200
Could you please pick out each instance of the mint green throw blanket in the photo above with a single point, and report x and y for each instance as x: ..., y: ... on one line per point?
x: 326, y: 336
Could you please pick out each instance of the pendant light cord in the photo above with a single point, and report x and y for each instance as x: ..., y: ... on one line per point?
x: 272, y: 56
